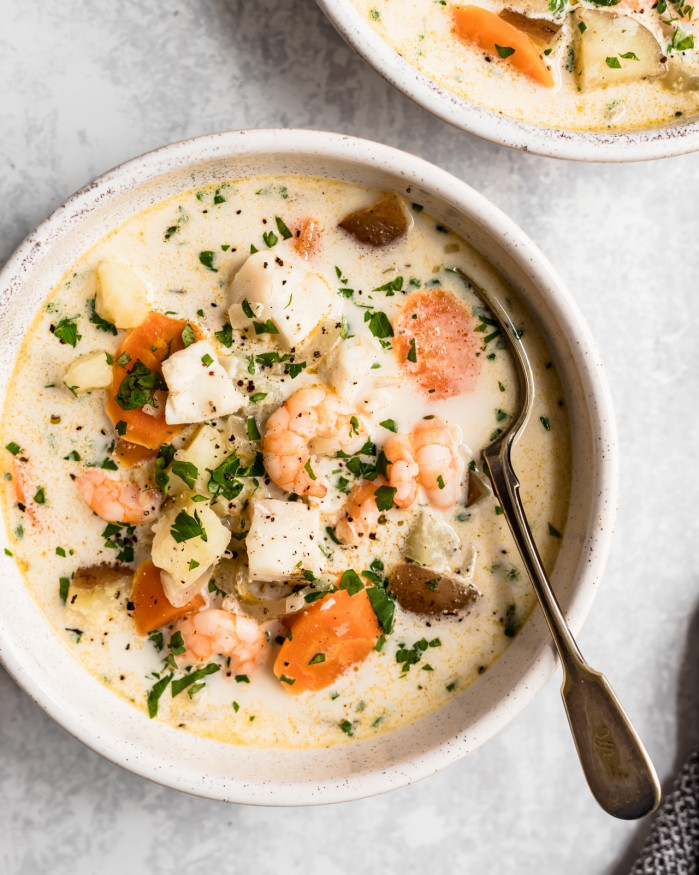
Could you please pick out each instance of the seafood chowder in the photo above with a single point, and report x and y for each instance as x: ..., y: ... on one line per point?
x: 597, y: 65
x: 241, y: 456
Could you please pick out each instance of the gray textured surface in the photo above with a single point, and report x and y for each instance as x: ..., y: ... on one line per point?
x: 87, y: 85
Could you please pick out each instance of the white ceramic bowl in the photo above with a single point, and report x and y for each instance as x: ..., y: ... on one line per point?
x: 49, y: 673
x: 676, y: 138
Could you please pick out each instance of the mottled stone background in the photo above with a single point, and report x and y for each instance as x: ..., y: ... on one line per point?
x: 86, y: 85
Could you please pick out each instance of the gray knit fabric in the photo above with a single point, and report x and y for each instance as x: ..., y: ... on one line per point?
x: 672, y: 846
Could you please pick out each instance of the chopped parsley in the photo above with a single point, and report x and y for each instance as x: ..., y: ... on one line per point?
x: 13, y: 448
x: 40, y: 495
x: 207, y: 259
x: 189, y: 679
x: 120, y: 538
x: 252, y: 429
x: 187, y: 527
x: 389, y: 424
x: 282, y: 228
x: 67, y: 331
x: 188, y: 336
x: 137, y: 387
x: 97, y: 320
x: 504, y: 51
x: 395, y: 285
x: 186, y: 471
x: 351, y: 581
x: 553, y: 531
x: 379, y: 323
x: 267, y: 327
x: 225, y: 335
x: 156, y: 692
x: 384, y: 497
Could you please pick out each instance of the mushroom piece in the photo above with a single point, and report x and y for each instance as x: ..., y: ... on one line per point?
x: 541, y: 31
x: 97, y: 591
x: 104, y: 574
x: 380, y: 224
x: 478, y: 488
x: 423, y: 591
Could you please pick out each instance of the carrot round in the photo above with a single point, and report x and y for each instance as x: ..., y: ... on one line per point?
x: 502, y: 39
x: 326, y: 639
x: 151, y: 607
x: 436, y: 343
x: 149, y: 343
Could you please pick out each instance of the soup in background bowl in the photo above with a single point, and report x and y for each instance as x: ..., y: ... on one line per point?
x: 118, y: 482
x: 594, y: 81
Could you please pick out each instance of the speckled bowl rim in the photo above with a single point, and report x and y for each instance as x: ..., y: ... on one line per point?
x: 663, y: 141
x: 123, y: 734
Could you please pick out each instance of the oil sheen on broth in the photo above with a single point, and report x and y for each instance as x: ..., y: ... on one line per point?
x: 249, y: 296
x: 600, y: 65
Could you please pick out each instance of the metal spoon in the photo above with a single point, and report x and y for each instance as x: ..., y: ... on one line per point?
x: 616, y: 765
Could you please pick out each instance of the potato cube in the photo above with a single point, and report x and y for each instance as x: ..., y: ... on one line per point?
x: 613, y: 49
x: 122, y: 296
x: 283, y: 540
x: 89, y: 372
x: 179, y: 548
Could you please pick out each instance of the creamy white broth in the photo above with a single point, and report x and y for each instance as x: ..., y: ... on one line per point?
x: 423, y: 33
x: 373, y: 696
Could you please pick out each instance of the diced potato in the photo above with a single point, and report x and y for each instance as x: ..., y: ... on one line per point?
x: 207, y: 448
x: 349, y: 365
x: 276, y: 287
x: 613, y: 49
x: 199, y: 388
x: 187, y: 562
x: 97, y: 591
x: 541, y: 31
x: 434, y: 544
x: 122, y: 296
x: 89, y: 372
x: 283, y: 540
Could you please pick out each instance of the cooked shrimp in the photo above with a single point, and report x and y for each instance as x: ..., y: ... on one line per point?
x: 361, y: 513
x: 117, y: 499
x: 436, y: 447
x: 307, y: 238
x: 214, y: 631
x: 312, y: 419
x: 21, y: 478
x: 402, y: 470
x: 436, y: 343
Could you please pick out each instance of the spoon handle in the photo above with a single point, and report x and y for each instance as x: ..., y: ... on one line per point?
x: 617, y: 768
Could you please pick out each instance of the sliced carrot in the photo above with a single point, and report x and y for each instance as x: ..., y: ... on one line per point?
x: 151, y: 607
x: 132, y: 454
x: 325, y: 639
x: 436, y: 343
x: 307, y: 238
x: 150, y: 343
x: 501, y: 39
